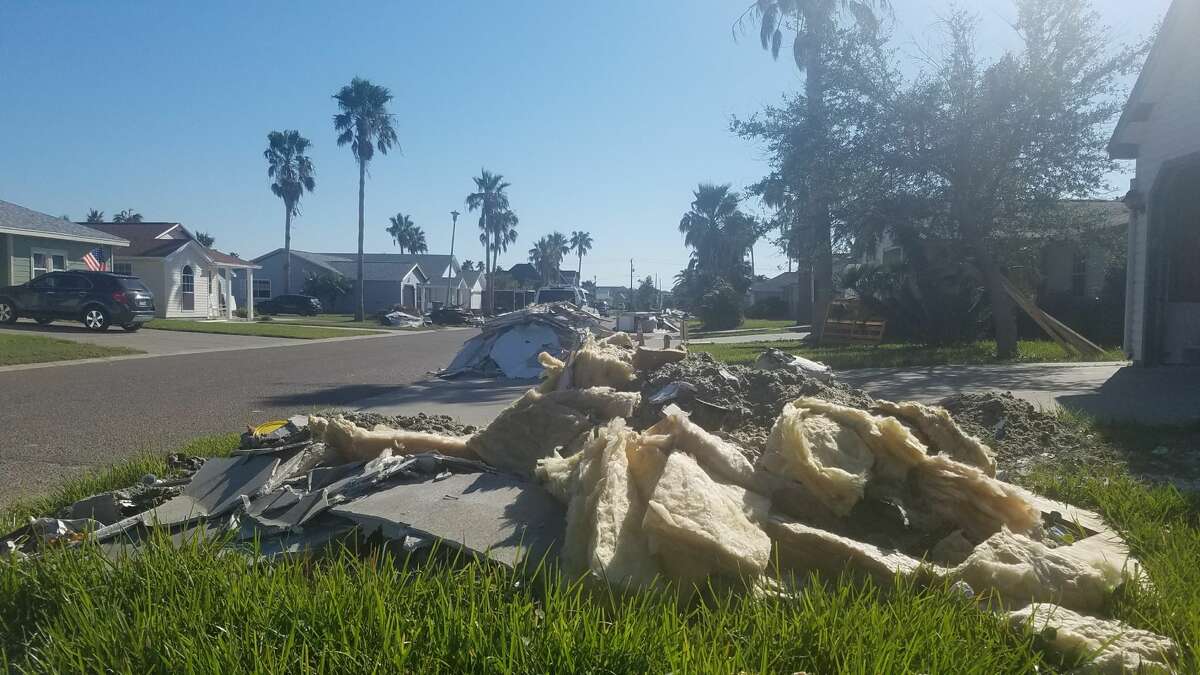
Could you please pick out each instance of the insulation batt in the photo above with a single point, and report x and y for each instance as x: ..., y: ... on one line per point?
x: 1114, y: 647
x: 828, y: 459
x: 355, y: 444
x: 1021, y: 570
x: 803, y: 549
x: 601, y: 364
x: 968, y: 498
x: 944, y: 435
x: 716, y: 455
x: 645, y: 358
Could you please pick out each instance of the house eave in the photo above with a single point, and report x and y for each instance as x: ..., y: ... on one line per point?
x: 65, y: 237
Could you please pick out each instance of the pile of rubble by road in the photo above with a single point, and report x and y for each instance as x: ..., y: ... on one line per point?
x: 634, y: 467
x: 510, y: 343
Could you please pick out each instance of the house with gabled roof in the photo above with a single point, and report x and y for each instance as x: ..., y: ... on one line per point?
x: 188, y: 279
x: 34, y: 243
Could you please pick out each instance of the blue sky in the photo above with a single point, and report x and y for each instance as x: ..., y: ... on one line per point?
x: 603, y: 116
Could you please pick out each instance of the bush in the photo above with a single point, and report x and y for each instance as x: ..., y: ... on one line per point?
x: 931, y: 304
x: 240, y: 313
x: 768, y: 308
x: 721, y: 307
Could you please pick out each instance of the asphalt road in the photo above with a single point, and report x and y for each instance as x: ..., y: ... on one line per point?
x: 58, y: 422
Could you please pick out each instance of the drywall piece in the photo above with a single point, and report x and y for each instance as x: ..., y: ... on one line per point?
x: 526, y: 431
x: 830, y: 460
x: 516, y: 349
x: 1021, y: 571
x: 645, y: 358
x: 216, y: 488
x: 804, y: 549
x: 777, y: 359
x: 509, y: 519
x: 718, y: 456
x: 699, y: 527
x: 353, y: 443
x: 105, y: 508
x: 285, y: 510
x: 943, y: 434
x: 1111, y: 647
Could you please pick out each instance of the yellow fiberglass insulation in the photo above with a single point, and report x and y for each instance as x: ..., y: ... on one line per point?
x: 1108, y: 647
x: 552, y: 371
x: 968, y: 498
x: 354, y: 443
x: 829, y: 459
x: 600, y: 364
x: 603, y: 402
x: 943, y: 433
x: 717, y: 455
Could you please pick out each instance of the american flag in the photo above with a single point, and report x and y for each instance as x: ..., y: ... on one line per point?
x: 95, y: 260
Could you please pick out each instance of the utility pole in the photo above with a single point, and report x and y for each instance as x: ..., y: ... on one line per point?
x: 450, y: 264
x: 632, y: 302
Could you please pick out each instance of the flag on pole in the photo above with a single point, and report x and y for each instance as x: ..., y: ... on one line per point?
x: 95, y: 260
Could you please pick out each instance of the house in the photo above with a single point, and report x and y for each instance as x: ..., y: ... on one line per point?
x: 413, y: 281
x: 33, y: 243
x: 1160, y: 129
x: 793, y: 289
x: 473, y: 281
x: 188, y: 279
x: 610, y: 294
x: 526, y: 275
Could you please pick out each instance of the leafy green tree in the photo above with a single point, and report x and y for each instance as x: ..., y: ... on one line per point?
x: 813, y: 24
x: 291, y: 173
x: 205, y: 239
x: 364, y: 123
x: 497, y: 223
x: 127, y: 216
x: 646, y: 297
x: 328, y: 287
x: 94, y: 216
x: 991, y: 148
x: 581, y: 244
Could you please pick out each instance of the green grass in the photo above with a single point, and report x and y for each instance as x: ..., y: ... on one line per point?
x: 261, y: 329
x: 897, y: 354
x: 119, y: 475
x: 748, y: 327
x: 193, y: 609
x: 341, y: 321
x: 20, y: 349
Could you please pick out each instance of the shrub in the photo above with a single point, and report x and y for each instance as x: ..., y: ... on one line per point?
x: 768, y: 308
x: 721, y: 307
x: 931, y: 304
x: 240, y: 313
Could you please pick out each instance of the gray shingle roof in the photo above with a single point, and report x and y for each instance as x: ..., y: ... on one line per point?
x: 433, y: 266
x: 20, y: 220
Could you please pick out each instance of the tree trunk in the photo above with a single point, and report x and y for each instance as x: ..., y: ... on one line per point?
x: 287, y: 248
x: 487, y: 270
x: 819, y: 218
x: 579, y: 271
x: 360, y: 312
x: 1004, y: 319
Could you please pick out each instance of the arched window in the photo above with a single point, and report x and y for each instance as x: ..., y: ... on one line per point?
x: 188, y: 285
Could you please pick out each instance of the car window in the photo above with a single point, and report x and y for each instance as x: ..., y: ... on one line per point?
x: 133, y: 284
x: 73, y: 282
x: 46, y: 282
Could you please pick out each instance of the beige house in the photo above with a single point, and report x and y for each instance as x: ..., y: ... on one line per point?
x: 188, y: 280
x: 1160, y: 129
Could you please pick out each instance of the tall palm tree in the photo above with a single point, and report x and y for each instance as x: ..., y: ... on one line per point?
x: 496, y: 222
x: 416, y: 241
x: 581, y: 243
x: 366, y: 126
x: 94, y: 216
x: 704, y: 227
x: 127, y: 216
x: 401, y: 231
x: 291, y: 174
x: 543, y: 256
x: 813, y: 22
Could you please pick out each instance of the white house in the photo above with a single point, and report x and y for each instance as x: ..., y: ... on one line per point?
x: 1160, y: 129
x: 473, y: 289
x: 187, y: 279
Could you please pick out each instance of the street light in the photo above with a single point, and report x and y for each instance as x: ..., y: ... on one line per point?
x: 450, y: 264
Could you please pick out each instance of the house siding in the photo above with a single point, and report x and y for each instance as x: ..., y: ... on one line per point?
x: 5, y: 260
x: 20, y: 257
x: 272, y: 269
x: 173, y: 291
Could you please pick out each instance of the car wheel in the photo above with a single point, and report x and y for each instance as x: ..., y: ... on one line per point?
x: 95, y: 318
x: 44, y: 321
x: 132, y: 327
x: 8, y: 313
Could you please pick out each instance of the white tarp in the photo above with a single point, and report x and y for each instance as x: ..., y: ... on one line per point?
x: 516, y: 349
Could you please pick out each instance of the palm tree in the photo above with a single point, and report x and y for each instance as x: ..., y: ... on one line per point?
x: 94, y: 216
x: 542, y: 257
x: 561, y: 248
x: 704, y: 226
x: 292, y: 174
x: 366, y: 126
x: 417, y: 243
x: 205, y: 239
x: 497, y: 224
x: 581, y: 243
x: 814, y: 22
x: 127, y: 216
x: 401, y: 231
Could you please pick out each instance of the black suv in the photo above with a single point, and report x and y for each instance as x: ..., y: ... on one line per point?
x: 290, y: 304
x: 98, y: 299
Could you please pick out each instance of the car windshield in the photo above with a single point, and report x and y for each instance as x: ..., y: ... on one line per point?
x: 133, y: 284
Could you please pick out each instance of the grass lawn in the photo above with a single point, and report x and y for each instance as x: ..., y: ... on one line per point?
x: 261, y: 329
x: 19, y: 349
x: 341, y: 321
x: 194, y: 610
x: 898, y: 354
x: 695, y: 328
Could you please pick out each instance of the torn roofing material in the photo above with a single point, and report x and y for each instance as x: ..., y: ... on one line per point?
x: 509, y: 344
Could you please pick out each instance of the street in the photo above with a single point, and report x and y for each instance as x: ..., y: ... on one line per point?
x: 58, y: 422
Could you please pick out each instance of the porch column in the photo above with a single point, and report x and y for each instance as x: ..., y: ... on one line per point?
x: 249, y: 294
x: 229, y: 293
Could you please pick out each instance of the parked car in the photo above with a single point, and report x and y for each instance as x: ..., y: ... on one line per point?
x: 452, y: 316
x: 290, y: 304
x: 98, y: 299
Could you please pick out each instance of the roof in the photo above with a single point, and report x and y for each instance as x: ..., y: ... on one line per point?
x: 433, y: 266
x: 1123, y: 144
x: 159, y: 240
x: 776, y: 283
x: 16, y: 219
x: 471, y: 277
x: 523, y: 272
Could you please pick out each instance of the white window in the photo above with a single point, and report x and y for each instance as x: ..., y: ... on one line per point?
x: 262, y: 289
x: 123, y: 268
x: 44, y: 261
x: 188, y: 280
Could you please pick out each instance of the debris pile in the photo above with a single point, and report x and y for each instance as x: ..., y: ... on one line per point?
x: 634, y: 467
x: 509, y: 344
